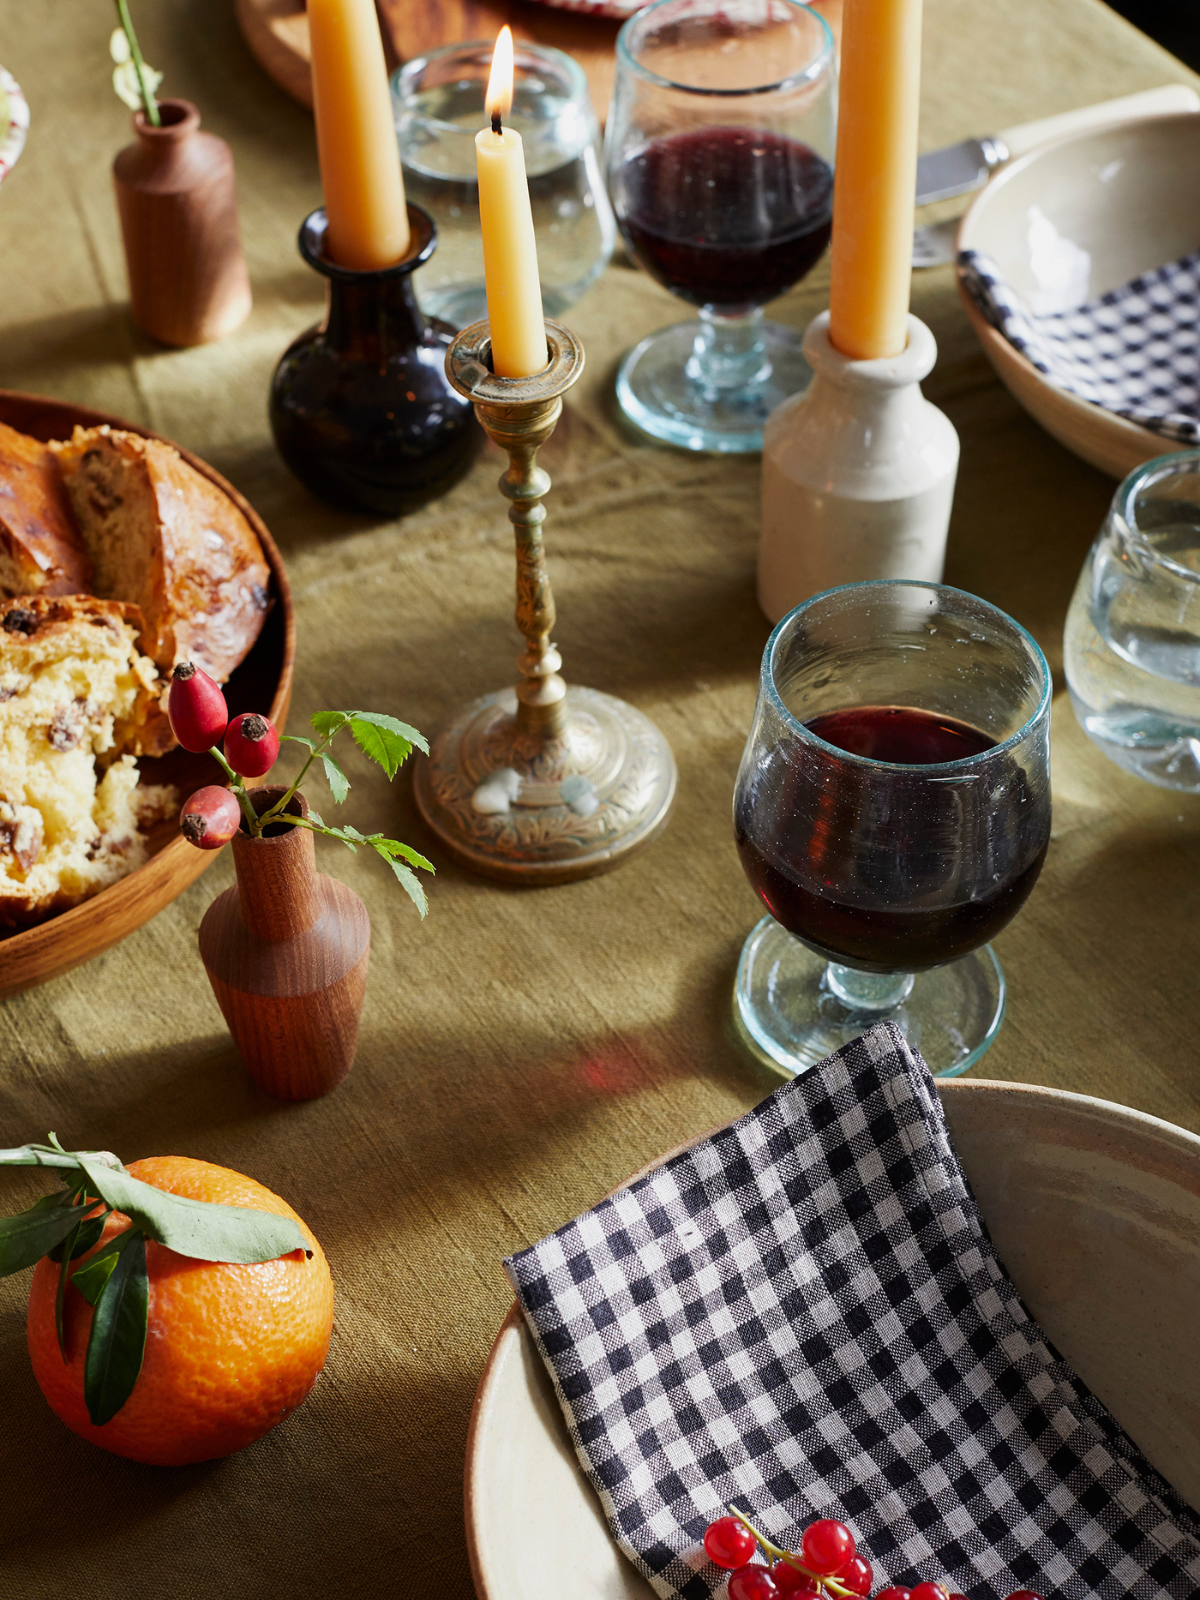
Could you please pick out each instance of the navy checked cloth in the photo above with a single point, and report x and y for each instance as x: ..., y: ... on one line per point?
x: 804, y: 1314
x: 1134, y: 351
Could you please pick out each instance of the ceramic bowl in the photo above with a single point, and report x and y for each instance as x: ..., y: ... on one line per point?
x: 262, y: 682
x: 1095, y: 1210
x: 1068, y: 222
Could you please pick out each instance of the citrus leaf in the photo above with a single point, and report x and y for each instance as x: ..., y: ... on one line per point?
x: 409, y: 883
x: 393, y: 725
x: 196, y: 1228
x: 117, y: 1341
x: 90, y: 1230
x: 382, y: 745
x: 327, y: 723
x: 45, y: 1155
x: 27, y: 1237
x: 90, y: 1278
x: 339, y: 784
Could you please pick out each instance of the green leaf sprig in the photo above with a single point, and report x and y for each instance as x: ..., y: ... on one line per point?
x: 115, y: 1280
x: 385, y: 740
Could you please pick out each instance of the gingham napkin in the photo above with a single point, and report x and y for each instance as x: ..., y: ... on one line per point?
x: 804, y: 1315
x: 1134, y: 351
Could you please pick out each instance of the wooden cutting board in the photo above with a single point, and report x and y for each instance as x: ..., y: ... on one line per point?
x: 277, y: 34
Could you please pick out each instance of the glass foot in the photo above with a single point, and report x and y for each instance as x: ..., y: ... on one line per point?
x: 787, y: 1009
x: 656, y: 393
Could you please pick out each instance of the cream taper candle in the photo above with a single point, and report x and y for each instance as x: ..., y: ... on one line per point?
x: 510, y: 269
x: 356, y: 136
x: 875, y: 177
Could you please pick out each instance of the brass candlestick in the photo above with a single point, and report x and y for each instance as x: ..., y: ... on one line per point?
x: 545, y: 782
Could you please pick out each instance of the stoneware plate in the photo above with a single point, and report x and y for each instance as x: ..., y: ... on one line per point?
x: 263, y: 682
x: 1070, y: 221
x: 1095, y: 1210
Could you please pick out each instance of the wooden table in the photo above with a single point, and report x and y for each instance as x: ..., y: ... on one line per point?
x: 522, y: 1051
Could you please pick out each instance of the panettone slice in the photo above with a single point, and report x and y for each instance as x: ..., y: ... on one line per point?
x: 161, y: 535
x: 78, y: 702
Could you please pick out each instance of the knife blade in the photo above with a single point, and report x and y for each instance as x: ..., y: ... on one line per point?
x: 962, y: 167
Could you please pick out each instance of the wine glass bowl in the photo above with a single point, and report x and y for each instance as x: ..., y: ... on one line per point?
x: 719, y: 151
x: 892, y: 812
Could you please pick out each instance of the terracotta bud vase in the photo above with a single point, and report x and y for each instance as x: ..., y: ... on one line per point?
x: 188, y: 282
x: 286, y: 952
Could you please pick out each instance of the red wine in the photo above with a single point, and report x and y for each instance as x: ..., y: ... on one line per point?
x: 880, y: 867
x: 725, y: 217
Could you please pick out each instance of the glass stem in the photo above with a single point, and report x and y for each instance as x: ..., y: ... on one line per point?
x: 729, y: 354
x: 868, y: 991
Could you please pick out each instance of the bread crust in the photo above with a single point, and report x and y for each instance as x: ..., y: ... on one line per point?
x: 204, y: 587
x: 41, y: 550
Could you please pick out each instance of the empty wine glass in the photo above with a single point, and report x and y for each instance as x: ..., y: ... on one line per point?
x: 719, y: 153
x: 892, y: 812
x: 1132, y: 642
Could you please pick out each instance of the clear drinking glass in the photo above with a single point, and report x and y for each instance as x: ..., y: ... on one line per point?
x: 1132, y: 645
x: 719, y: 153
x: 892, y: 812
x: 438, y: 99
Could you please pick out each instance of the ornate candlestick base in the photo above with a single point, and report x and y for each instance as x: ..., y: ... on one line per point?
x: 541, y: 783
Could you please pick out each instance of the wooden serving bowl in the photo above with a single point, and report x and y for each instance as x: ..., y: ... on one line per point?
x: 1094, y: 1210
x: 263, y: 682
x: 1070, y: 221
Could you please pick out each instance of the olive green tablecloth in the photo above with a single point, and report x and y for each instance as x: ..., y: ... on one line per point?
x: 522, y: 1051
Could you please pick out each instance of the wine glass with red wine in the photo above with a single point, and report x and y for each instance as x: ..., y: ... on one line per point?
x: 719, y: 149
x: 892, y: 812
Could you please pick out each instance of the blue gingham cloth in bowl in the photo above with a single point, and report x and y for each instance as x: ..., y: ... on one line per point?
x: 1134, y: 351
x: 804, y: 1315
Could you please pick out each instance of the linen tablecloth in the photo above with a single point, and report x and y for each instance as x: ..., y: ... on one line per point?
x: 522, y: 1051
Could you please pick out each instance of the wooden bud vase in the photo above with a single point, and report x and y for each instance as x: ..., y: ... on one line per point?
x: 286, y: 952
x: 188, y: 282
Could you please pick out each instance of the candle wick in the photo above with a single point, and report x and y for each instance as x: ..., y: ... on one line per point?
x: 496, y: 128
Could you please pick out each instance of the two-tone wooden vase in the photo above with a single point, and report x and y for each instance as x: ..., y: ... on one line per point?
x: 286, y: 952
x: 188, y: 282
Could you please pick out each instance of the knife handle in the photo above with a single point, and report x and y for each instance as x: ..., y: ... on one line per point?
x: 1150, y: 103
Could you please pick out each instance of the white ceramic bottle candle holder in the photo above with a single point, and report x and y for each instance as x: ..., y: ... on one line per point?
x: 858, y: 474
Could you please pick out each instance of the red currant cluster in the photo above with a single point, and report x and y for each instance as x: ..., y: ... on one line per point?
x: 828, y: 1567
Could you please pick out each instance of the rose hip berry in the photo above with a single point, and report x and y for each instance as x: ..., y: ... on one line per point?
x: 1019, y: 1594
x: 895, y: 1591
x: 251, y: 745
x: 729, y: 1543
x: 827, y: 1546
x: 857, y: 1575
x: 210, y: 818
x: 752, y: 1582
x: 196, y: 708
x: 931, y: 1591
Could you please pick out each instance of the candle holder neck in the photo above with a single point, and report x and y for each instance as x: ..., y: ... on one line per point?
x: 361, y: 408
x: 370, y: 315
x: 519, y: 414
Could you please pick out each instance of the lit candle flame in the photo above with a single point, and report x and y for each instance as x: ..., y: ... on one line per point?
x: 498, y: 102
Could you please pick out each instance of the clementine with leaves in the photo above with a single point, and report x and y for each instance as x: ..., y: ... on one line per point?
x: 231, y: 1346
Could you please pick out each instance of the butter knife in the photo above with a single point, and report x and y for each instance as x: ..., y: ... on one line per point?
x: 959, y: 168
